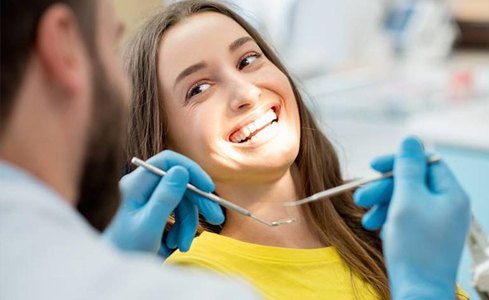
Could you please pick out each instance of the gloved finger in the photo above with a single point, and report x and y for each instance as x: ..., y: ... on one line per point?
x: 384, y: 163
x: 440, y: 178
x: 375, y: 217
x: 172, y: 236
x: 165, y: 197
x: 410, y: 166
x: 164, y: 251
x: 198, y: 176
x: 211, y: 211
x: 187, y: 216
x: 139, y: 185
x: 374, y: 193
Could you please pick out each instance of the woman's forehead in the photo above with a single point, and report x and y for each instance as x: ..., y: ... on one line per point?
x: 201, y: 30
x: 199, y: 37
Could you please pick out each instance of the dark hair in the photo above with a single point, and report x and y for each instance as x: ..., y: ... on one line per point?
x: 19, y: 21
x: 337, y: 222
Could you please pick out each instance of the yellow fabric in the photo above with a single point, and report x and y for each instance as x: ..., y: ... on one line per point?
x: 278, y: 273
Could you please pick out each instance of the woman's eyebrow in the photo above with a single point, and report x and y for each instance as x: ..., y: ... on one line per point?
x: 198, y: 66
x: 188, y: 71
x: 239, y: 42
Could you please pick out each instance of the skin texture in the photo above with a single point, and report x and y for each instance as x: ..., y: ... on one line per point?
x: 231, y: 87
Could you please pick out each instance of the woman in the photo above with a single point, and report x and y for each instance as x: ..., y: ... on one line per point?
x: 208, y: 86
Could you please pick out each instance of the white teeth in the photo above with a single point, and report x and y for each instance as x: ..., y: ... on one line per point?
x: 259, y: 123
x: 249, y: 129
x: 267, y: 118
x: 266, y: 132
x: 246, y: 131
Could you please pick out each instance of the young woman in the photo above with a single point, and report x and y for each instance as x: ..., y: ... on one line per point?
x: 208, y: 86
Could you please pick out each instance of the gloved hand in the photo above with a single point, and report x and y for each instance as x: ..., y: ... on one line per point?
x: 148, y: 200
x: 425, y: 216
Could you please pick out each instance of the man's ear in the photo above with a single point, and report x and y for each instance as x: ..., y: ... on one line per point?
x: 61, y: 49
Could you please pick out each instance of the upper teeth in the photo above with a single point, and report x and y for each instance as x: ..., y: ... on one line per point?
x: 248, y: 130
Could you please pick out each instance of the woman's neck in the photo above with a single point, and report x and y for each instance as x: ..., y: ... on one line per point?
x: 266, y: 201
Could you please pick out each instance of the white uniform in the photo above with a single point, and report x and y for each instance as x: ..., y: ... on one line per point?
x: 48, y: 251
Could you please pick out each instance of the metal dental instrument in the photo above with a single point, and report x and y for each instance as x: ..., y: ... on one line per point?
x: 223, y: 202
x: 348, y: 186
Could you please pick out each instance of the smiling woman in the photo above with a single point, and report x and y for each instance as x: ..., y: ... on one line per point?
x: 208, y: 86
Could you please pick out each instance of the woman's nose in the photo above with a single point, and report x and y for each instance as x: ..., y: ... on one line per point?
x: 244, y: 95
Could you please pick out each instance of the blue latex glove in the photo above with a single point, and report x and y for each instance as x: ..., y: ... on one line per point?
x: 425, y: 216
x: 148, y: 200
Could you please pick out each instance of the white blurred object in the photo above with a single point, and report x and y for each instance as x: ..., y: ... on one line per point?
x: 271, y: 17
x: 465, y: 124
x: 328, y: 34
x: 422, y: 30
x: 481, y: 276
x: 478, y: 243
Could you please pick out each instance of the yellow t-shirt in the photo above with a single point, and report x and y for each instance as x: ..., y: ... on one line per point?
x: 278, y: 273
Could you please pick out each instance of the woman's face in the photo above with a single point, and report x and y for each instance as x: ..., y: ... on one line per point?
x: 229, y: 108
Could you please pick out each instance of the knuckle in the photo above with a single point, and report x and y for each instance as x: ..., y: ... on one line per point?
x: 123, y: 184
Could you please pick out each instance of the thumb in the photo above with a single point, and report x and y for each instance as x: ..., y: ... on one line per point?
x: 410, y: 165
x: 441, y: 179
x: 167, y: 195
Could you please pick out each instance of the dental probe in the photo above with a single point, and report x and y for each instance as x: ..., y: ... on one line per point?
x: 349, y: 186
x: 223, y: 202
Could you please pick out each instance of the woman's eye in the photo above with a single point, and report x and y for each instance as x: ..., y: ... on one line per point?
x: 197, y: 90
x: 248, y: 60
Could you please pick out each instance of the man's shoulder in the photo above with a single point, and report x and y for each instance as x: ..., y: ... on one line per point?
x: 81, y: 271
x: 47, y: 251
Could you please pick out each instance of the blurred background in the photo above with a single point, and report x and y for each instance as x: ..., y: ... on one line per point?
x: 377, y: 70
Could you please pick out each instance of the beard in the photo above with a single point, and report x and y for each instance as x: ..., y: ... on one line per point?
x: 99, y: 195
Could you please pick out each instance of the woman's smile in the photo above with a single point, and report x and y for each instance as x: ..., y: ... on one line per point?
x: 262, y: 127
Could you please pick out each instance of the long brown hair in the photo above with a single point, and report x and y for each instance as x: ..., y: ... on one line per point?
x: 338, y: 222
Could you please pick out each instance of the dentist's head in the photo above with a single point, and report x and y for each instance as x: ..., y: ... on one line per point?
x: 64, y: 99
